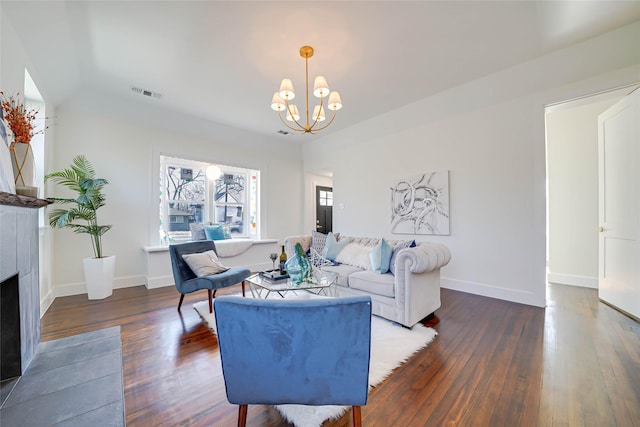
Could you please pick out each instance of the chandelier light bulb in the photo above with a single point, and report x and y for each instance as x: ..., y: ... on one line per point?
x: 286, y: 90
x: 318, y: 113
x: 293, y: 110
x: 277, y: 103
x: 335, y: 103
x: 320, y: 87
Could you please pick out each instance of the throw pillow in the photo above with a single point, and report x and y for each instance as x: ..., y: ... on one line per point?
x: 380, y: 257
x: 355, y: 255
x: 197, y: 231
x: 227, y: 232
x: 332, y: 247
x: 319, y: 241
x: 204, y: 263
x: 214, y: 232
x: 396, y: 249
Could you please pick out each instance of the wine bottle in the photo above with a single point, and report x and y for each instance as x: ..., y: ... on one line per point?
x: 283, y: 260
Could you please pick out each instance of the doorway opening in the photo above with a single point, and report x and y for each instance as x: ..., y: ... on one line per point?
x: 324, y: 209
x: 572, y: 180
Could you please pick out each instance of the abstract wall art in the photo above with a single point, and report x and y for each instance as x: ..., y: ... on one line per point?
x: 420, y: 204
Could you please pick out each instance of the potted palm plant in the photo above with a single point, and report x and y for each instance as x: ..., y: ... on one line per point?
x: 80, y: 215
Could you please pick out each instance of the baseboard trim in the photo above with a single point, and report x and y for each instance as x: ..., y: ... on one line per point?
x: 158, y: 282
x: 69, y: 289
x: 573, y: 280
x: 46, y: 302
x: 485, y: 290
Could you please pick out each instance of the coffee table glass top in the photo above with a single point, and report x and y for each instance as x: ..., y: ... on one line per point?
x: 322, y: 284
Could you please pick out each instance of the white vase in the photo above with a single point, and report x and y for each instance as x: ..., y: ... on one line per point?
x: 7, y: 183
x: 98, y: 274
x: 23, y: 165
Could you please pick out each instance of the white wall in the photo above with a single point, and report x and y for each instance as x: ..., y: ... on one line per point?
x: 572, y: 162
x: 13, y: 61
x: 489, y: 134
x: 126, y: 154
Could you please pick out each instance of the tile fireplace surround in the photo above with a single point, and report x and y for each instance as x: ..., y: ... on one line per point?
x: 19, y: 256
x: 73, y: 381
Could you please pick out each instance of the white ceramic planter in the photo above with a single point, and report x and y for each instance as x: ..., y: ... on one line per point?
x: 98, y: 274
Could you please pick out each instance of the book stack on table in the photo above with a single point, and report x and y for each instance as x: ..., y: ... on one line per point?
x: 273, y: 275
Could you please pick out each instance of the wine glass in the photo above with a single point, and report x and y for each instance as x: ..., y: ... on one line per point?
x: 273, y: 256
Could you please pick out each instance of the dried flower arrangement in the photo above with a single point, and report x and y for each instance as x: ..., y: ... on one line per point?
x: 19, y: 119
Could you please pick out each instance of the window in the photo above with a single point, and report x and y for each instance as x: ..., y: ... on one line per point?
x: 326, y: 198
x: 33, y: 101
x: 188, y: 196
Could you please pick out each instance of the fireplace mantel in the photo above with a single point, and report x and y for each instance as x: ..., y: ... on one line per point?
x: 10, y: 199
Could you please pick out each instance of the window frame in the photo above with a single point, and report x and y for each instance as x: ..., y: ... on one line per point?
x: 249, y: 204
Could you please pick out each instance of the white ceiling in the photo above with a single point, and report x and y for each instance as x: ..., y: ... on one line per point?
x: 222, y: 61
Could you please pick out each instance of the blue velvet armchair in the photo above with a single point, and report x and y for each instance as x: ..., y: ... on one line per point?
x: 187, y: 282
x: 310, y: 352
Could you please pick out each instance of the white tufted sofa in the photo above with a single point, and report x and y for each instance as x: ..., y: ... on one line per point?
x: 407, y: 297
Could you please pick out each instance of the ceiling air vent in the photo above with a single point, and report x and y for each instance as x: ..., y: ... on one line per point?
x: 283, y: 132
x: 146, y: 92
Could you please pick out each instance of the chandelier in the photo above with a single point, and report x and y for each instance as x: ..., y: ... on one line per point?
x: 312, y: 124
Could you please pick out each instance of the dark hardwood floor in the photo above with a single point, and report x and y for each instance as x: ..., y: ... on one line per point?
x: 494, y: 363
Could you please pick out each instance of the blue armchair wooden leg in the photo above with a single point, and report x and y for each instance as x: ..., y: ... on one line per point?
x: 242, y: 415
x: 357, y: 416
x: 210, y: 300
x: 180, y: 303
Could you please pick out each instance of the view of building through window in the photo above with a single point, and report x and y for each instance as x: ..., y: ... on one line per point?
x: 188, y: 196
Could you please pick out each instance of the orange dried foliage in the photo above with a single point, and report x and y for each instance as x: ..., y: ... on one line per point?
x: 19, y: 119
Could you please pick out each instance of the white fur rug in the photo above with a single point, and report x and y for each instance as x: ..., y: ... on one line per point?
x: 391, y: 346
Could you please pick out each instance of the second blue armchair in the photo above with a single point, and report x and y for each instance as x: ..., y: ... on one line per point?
x: 186, y: 281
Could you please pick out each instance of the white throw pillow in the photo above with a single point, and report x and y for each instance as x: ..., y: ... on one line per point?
x: 355, y: 255
x: 204, y: 263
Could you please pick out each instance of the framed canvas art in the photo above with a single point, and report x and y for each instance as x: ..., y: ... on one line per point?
x: 420, y: 204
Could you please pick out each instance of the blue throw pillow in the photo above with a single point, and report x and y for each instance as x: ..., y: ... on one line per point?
x: 380, y: 257
x: 332, y: 247
x: 214, y: 232
x: 197, y: 231
x: 399, y: 246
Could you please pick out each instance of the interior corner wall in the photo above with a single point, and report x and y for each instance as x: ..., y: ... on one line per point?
x: 13, y: 61
x: 572, y: 165
x: 489, y: 134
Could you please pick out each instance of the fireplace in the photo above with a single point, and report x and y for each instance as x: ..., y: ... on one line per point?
x: 10, y: 356
x: 20, y: 285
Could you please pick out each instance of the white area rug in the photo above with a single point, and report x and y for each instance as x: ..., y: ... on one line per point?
x: 391, y: 346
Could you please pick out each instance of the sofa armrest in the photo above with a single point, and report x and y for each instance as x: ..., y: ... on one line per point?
x: 425, y: 257
x: 290, y: 244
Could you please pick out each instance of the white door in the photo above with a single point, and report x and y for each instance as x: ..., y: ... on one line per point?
x: 619, y: 161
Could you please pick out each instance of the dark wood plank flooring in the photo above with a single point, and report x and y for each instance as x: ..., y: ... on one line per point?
x: 494, y: 363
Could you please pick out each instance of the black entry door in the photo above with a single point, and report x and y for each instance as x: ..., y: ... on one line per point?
x: 324, y: 209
